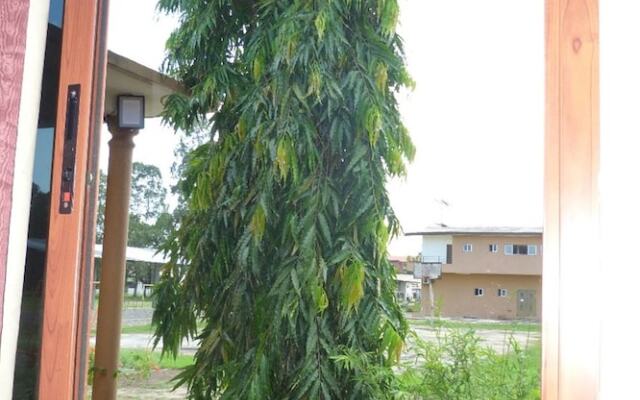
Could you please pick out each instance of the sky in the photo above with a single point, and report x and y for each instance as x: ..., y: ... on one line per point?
x: 476, y: 115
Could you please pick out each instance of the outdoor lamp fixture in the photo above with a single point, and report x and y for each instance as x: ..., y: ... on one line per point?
x: 130, y: 112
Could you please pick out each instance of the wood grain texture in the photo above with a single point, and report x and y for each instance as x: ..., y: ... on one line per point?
x: 66, y: 232
x: 571, y: 264
x: 13, y: 35
x: 91, y: 206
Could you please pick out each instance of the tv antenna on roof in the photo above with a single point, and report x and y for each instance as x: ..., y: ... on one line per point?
x: 443, y: 204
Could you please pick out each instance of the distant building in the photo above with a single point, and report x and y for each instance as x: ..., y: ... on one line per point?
x: 493, y: 273
x: 151, y: 259
x: 401, y: 264
x: 408, y: 288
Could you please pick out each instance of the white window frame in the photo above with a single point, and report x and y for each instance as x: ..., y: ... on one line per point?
x: 467, y: 248
x: 478, y: 292
x: 493, y: 248
x: 508, y: 249
x: 535, y: 250
x: 503, y: 292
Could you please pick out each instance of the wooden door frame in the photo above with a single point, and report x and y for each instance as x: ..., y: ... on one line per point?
x: 570, y: 325
x: 69, y: 263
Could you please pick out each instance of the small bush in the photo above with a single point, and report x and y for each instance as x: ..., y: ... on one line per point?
x: 140, y: 362
x: 456, y: 366
x: 412, y: 307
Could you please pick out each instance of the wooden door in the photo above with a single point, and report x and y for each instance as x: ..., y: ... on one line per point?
x: 68, y: 264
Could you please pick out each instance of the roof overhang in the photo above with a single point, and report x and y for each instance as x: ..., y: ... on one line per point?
x: 479, y: 231
x: 125, y: 76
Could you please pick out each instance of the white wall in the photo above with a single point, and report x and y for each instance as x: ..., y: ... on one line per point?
x: 620, y: 198
x: 21, y: 196
x: 435, y: 246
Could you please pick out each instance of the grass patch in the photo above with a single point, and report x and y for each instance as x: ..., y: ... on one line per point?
x: 129, y: 302
x: 148, y: 328
x: 137, y: 302
x: 143, y: 361
x: 140, y: 362
x: 508, y: 326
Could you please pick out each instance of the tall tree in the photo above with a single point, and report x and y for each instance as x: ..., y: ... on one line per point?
x: 148, y: 195
x: 281, y: 252
x: 149, y: 221
x: 102, y: 203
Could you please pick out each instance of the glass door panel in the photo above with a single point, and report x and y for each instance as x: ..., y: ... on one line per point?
x: 29, y: 339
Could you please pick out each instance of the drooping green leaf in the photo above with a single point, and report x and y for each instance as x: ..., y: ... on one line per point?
x: 280, y: 253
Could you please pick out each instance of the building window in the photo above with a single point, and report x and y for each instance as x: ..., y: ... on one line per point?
x: 502, y: 292
x: 467, y: 248
x: 508, y: 249
x: 493, y: 248
x: 520, y: 249
x: 478, y: 292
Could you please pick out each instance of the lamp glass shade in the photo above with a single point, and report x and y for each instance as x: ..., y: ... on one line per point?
x: 131, y: 112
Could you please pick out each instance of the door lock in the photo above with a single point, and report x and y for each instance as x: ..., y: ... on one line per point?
x: 69, y: 150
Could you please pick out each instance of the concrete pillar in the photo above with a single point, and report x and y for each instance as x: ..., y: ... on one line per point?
x: 112, y: 278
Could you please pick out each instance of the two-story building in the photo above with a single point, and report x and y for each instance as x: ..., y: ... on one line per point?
x: 493, y: 273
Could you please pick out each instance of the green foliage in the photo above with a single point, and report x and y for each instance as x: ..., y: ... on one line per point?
x: 149, y: 221
x: 455, y: 366
x: 148, y: 195
x: 102, y: 202
x: 149, y: 235
x: 137, y: 362
x: 141, y: 362
x: 412, y: 307
x: 281, y: 248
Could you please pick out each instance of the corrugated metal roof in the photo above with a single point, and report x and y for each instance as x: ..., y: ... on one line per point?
x: 481, y: 230
x: 138, y: 254
x: 133, y: 253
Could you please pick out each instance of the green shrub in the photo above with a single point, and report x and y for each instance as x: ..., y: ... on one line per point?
x: 140, y: 362
x: 456, y: 366
x: 412, y: 307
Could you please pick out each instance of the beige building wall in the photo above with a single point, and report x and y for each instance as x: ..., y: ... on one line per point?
x: 481, y: 261
x: 455, y: 295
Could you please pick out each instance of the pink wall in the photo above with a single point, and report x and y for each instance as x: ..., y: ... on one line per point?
x: 13, y: 30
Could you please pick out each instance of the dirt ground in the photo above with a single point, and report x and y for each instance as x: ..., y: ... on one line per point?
x: 157, y: 386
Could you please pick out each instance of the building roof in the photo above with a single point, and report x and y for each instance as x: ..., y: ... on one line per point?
x: 138, y: 254
x: 133, y: 253
x: 484, y: 230
x: 407, y: 278
x: 125, y: 76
